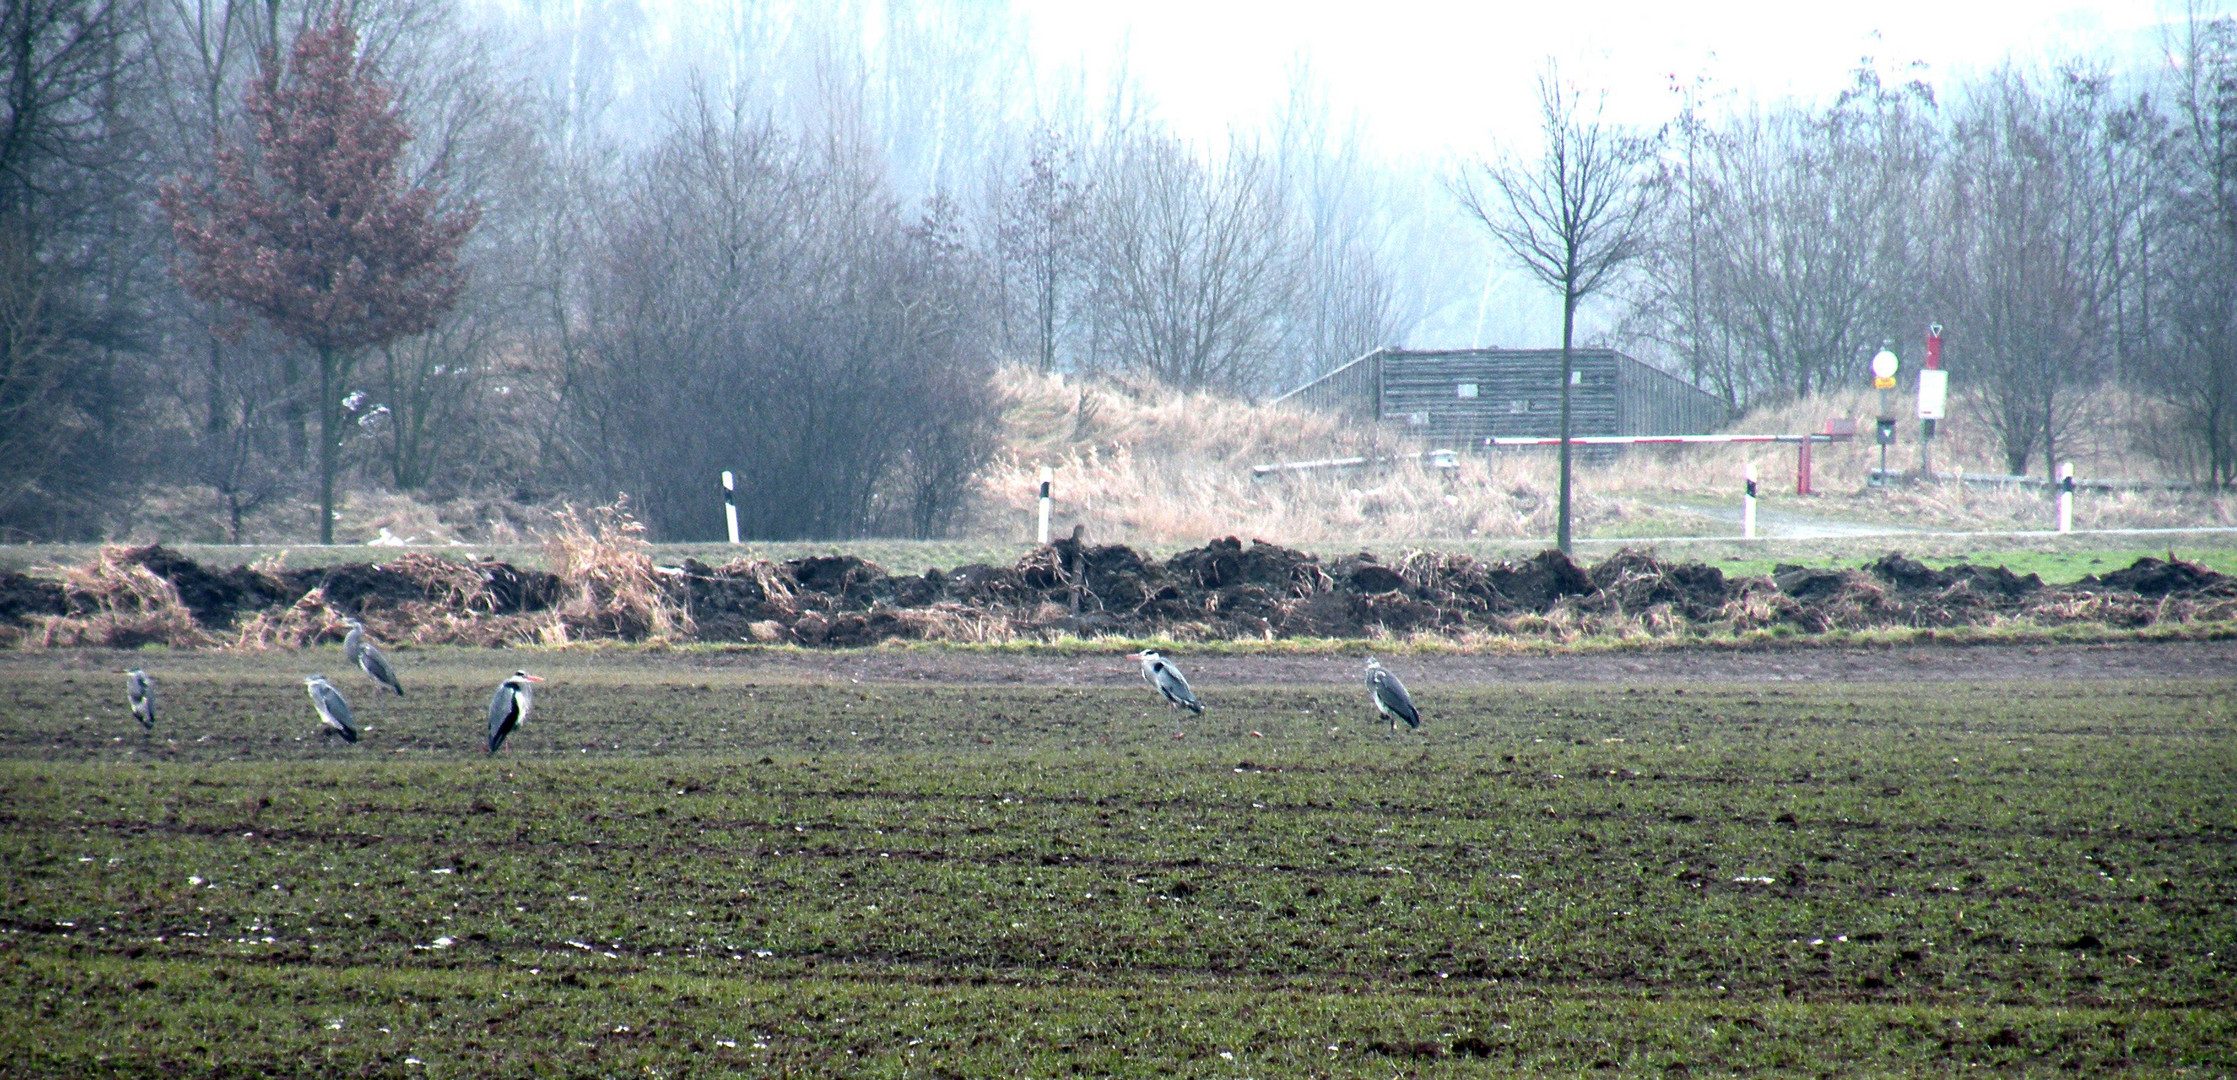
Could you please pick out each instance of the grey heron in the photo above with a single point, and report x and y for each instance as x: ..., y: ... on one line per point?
x: 1170, y: 682
x: 360, y: 650
x: 1390, y: 695
x: 139, y: 692
x: 332, y: 710
x: 509, y: 706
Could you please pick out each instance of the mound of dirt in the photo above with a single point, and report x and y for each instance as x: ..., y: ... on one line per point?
x: 22, y: 596
x: 1909, y: 574
x: 2160, y: 577
x: 1226, y: 589
x: 1636, y: 581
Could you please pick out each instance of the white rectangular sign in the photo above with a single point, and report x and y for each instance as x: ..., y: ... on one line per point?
x: 1934, y: 392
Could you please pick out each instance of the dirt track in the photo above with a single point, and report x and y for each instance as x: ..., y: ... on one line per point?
x: 1909, y: 663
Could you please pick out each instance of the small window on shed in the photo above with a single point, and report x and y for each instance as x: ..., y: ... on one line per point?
x: 1576, y: 378
x: 1467, y: 390
x: 1518, y: 408
x: 1417, y: 419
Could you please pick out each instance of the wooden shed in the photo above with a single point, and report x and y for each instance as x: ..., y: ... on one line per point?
x: 1455, y: 397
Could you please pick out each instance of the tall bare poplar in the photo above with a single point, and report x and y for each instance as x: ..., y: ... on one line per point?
x: 1574, y: 217
x: 317, y: 230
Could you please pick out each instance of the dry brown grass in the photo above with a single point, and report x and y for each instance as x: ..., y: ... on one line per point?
x: 1140, y: 466
x: 296, y: 626
x: 118, y: 603
x: 602, y: 556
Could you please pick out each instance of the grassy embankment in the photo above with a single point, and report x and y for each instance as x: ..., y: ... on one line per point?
x: 693, y: 871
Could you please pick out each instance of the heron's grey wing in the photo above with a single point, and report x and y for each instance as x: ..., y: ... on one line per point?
x: 1391, y: 694
x: 353, y: 644
x: 336, y: 709
x: 504, y: 712
x: 376, y: 665
x: 1175, y: 686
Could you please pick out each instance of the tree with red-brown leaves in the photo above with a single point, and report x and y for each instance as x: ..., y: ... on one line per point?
x: 316, y: 230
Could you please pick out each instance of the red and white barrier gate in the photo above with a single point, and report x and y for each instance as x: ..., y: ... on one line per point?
x: 1835, y: 431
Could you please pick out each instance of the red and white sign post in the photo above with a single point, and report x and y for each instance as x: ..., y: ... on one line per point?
x: 1934, y: 392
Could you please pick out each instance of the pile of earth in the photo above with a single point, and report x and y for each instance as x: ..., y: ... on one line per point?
x: 1226, y: 589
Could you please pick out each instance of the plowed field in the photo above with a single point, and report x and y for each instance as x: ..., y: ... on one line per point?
x: 690, y: 865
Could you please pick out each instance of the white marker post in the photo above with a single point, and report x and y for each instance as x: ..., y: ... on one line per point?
x: 2065, y: 497
x: 1047, y: 474
x: 730, y: 503
x: 1747, y: 507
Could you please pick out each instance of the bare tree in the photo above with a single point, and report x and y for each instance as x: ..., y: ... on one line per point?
x: 1574, y: 218
x: 1041, y: 235
x: 2193, y: 366
x: 1195, y: 267
x: 1345, y: 302
x: 762, y: 307
x: 2029, y: 255
x: 73, y: 269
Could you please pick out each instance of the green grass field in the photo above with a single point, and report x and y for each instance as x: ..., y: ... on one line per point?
x: 687, y: 869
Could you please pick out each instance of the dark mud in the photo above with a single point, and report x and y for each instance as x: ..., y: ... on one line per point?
x: 1226, y: 590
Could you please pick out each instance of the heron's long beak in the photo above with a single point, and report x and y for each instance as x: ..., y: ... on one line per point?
x: 534, y: 678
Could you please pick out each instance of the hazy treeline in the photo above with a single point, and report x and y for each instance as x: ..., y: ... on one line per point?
x: 774, y: 252
x: 2073, y: 230
x: 794, y: 241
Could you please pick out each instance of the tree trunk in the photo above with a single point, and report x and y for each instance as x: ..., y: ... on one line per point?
x: 327, y: 420
x: 219, y: 418
x: 1568, y: 365
x: 291, y: 372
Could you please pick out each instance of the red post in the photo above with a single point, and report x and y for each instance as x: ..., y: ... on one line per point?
x: 1802, y: 467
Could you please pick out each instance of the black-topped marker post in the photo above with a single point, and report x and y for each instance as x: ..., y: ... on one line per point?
x: 730, y: 503
x: 1047, y: 474
x: 2065, y: 497
x: 1747, y: 506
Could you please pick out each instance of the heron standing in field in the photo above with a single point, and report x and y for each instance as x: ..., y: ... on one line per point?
x: 139, y: 692
x: 1170, y: 682
x: 332, y: 710
x: 360, y: 650
x: 508, y: 708
x: 1391, y: 698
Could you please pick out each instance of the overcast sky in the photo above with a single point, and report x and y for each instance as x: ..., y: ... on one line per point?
x: 1435, y: 79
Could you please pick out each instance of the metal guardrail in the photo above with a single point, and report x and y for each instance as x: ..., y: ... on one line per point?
x: 1438, y: 459
x: 1878, y: 476
x: 1653, y: 440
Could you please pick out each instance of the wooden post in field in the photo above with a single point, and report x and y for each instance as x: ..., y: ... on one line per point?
x: 1747, y: 505
x: 730, y: 503
x: 1047, y: 474
x: 2065, y: 497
